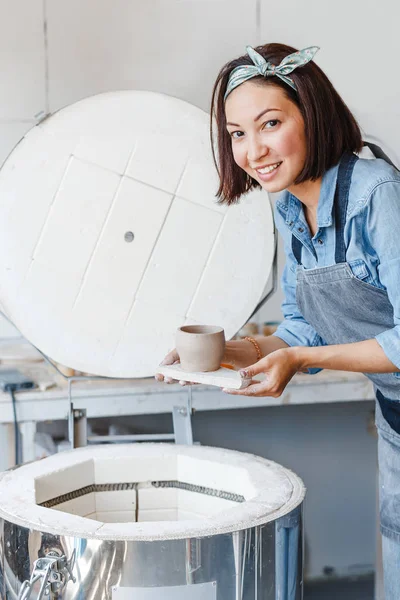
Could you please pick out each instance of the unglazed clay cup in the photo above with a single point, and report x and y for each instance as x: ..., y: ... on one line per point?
x: 200, y: 347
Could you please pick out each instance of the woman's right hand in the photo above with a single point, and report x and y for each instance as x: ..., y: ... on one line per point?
x: 172, y: 358
x: 238, y: 354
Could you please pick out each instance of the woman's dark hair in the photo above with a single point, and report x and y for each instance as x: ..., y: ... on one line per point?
x: 330, y: 128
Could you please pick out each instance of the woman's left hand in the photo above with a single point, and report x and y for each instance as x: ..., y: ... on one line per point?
x: 278, y: 367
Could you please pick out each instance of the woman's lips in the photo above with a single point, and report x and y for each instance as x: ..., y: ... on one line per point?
x: 269, y: 175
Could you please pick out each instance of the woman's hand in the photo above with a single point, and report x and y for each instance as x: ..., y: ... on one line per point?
x: 238, y: 354
x: 172, y: 358
x: 278, y: 367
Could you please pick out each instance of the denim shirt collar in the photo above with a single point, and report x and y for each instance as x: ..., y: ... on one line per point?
x: 290, y: 207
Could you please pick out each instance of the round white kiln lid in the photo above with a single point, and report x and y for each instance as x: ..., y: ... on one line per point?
x: 111, y: 237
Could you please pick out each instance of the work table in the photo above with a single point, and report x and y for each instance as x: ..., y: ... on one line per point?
x: 118, y: 397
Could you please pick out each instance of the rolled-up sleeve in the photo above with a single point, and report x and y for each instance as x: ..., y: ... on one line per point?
x: 384, y: 236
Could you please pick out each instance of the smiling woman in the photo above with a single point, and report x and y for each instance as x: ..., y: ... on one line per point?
x: 279, y: 124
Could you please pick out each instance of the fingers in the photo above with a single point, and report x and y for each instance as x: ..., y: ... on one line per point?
x: 256, y: 369
x: 169, y: 379
x: 255, y: 389
x: 172, y: 358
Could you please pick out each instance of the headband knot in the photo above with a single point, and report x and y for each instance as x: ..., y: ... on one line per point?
x: 262, y: 67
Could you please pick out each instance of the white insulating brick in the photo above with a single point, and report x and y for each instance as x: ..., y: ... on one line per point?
x: 81, y: 506
x: 128, y: 469
x: 117, y: 516
x: 203, y: 504
x: 153, y: 331
x: 189, y: 226
x: 92, y: 516
x: 119, y: 500
x: 199, y: 183
x: 169, y: 514
x: 99, y: 148
x: 64, y: 481
x: 158, y: 160
x: 138, y: 208
x: 87, y: 191
x: 216, y: 475
x: 158, y: 498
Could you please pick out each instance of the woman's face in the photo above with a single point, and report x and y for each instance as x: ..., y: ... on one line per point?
x: 267, y: 133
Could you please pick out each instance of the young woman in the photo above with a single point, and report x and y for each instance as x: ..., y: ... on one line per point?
x: 281, y: 125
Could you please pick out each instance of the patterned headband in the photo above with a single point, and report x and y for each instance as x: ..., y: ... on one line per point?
x: 262, y: 67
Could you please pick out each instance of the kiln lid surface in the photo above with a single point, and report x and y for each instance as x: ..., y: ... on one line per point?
x: 111, y: 236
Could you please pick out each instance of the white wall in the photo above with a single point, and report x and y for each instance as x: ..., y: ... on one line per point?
x: 54, y: 52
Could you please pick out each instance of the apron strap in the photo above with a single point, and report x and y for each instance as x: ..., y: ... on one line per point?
x: 345, y: 172
x: 379, y: 153
x: 340, y: 203
x: 296, y: 248
x: 342, y: 195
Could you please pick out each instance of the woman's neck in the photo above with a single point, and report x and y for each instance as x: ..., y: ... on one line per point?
x: 307, y: 192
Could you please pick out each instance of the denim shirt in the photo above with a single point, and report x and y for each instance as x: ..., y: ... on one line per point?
x: 372, y: 237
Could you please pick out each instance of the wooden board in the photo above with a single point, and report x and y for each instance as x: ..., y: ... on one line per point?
x: 223, y: 378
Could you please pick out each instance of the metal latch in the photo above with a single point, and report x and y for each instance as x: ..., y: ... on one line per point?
x: 55, y: 571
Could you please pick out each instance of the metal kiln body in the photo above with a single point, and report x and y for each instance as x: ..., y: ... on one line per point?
x: 242, y: 540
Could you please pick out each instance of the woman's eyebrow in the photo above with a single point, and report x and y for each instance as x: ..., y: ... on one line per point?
x: 264, y: 112
x: 257, y: 117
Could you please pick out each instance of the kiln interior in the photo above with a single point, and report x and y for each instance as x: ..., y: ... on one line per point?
x: 98, y: 489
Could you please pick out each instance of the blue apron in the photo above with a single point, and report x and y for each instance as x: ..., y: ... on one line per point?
x: 343, y: 309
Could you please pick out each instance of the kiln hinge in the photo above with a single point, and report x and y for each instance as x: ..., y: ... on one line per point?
x: 53, y: 572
